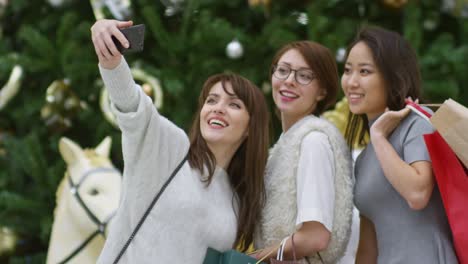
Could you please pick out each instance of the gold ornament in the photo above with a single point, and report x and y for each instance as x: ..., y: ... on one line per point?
x: 12, y: 86
x: 339, y: 117
x: 254, y: 3
x: 266, y: 88
x: 396, y: 4
x: 8, y: 240
x: 150, y: 85
x: 62, y: 104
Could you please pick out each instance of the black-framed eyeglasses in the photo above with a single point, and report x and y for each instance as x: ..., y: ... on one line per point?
x: 302, y: 76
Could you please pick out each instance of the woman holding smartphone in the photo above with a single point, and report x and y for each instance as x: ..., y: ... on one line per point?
x: 215, y: 198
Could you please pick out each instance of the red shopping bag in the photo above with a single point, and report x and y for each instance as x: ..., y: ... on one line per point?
x: 452, y: 180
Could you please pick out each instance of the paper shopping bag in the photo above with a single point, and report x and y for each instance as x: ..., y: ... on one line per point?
x: 214, y: 256
x: 452, y: 180
x: 451, y: 121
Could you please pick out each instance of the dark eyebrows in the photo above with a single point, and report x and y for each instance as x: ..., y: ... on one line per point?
x: 285, y: 63
x: 361, y: 64
x: 218, y: 96
x: 300, y: 68
x: 366, y: 64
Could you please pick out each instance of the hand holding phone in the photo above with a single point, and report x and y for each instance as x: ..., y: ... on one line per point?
x: 135, y: 36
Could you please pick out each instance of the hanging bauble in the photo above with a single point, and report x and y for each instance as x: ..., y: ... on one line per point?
x: 234, y: 49
x: 8, y: 240
x: 58, y: 3
x: 62, y: 104
x: 3, y: 5
x: 173, y: 6
x: 431, y: 20
x: 12, y: 86
x: 448, y: 5
x: 302, y: 18
x: 429, y: 24
x: 254, y: 3
x: 266, y: 88
x: 395, y: 4
x: 457, y: 8
x: 120, y: 9
x: 340, y: 55
x: 150, y: 85
x: 464, y: 10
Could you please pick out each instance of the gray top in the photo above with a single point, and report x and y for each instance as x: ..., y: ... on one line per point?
x: 404, y: 235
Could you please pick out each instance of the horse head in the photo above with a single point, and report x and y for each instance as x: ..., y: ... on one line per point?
x: 87, y: 199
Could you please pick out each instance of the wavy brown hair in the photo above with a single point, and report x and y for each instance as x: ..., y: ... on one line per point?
x: 322, y: 63
x: 247, y: 166
x: 396, y: 60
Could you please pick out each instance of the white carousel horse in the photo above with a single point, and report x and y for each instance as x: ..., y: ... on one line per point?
x: 87, y: 199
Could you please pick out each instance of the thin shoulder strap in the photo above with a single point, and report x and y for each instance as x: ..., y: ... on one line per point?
x: 147, y: 212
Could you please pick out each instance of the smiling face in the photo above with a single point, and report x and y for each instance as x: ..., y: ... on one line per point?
x: 363, y: 84
x: 295, y: 100
x: 224, y: 118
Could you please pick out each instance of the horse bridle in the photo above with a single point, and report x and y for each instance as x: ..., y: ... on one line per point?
x: 101, y: 226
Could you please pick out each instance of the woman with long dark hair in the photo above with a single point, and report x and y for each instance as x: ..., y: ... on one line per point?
x: 402, y: 216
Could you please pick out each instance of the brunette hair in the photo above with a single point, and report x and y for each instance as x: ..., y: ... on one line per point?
x: 247, y: 166
x: 398, y: 64
x: 322, y: 63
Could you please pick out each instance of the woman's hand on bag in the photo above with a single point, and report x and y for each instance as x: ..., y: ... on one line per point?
x: 101, y: 34
x: 387, y: 122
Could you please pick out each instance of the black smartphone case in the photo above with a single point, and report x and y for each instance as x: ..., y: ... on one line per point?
x: 135, y: 36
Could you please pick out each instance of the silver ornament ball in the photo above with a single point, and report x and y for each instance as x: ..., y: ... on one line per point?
x: 340, y: 55
x: 58, y: 3
x: 234, y: 49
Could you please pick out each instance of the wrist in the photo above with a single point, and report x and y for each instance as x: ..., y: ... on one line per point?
x: 376, y: 137
x: 111, y: 64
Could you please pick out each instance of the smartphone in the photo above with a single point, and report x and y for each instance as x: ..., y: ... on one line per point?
x: 135, y: 36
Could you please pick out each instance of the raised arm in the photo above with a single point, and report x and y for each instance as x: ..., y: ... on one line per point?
x: 118, y: 80
x: 146, y: 135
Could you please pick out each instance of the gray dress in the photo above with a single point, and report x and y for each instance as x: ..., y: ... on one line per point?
x: 403, y: 235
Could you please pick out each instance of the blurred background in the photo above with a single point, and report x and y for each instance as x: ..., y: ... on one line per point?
x: 50, y: 84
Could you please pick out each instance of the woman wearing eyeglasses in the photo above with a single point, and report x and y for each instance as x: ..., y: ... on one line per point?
x: 308, y: 177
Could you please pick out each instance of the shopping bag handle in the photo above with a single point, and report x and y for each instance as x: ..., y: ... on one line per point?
x: 419, y: 110
x: 275, y: 248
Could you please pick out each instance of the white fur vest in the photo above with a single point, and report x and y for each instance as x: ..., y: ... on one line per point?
x: 280, y: 212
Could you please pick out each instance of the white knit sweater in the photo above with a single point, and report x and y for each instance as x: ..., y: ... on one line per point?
x: 280, y: 212
x: 189, y: 217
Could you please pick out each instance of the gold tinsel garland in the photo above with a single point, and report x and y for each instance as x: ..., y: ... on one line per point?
x: 150, y: 85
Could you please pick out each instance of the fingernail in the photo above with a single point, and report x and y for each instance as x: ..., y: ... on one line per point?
x: 126, y: 45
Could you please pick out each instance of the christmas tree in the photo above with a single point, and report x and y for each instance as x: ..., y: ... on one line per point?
x: 52, y: 85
